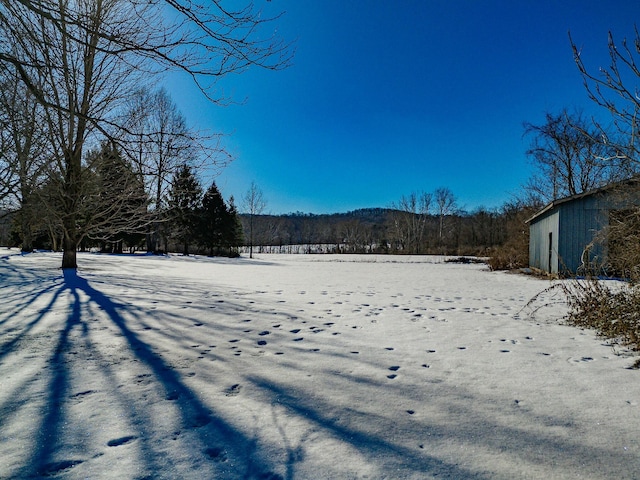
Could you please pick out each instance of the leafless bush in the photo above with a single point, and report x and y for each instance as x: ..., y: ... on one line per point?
x: 613, y: 310
x: 509, y: 257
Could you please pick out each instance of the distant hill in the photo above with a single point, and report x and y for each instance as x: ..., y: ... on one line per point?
x: 382, y: 230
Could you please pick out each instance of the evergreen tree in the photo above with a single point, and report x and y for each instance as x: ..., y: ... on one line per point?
x: 213, y: 219
x: 234, y: 234
x: 119, y: 215
x: 184, y: 206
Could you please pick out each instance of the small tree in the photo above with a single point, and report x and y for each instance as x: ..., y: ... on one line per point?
x: 446, y: 205
x: 254, y: 205
x: 184, y: 206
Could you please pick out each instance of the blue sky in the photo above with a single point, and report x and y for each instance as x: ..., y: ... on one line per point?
x: 389, y: 97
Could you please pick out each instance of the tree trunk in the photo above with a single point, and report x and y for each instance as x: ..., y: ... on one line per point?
x: 69, y: 253
x: 27, y: 242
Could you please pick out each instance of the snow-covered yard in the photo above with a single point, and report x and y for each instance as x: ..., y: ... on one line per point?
x: 301, y: 367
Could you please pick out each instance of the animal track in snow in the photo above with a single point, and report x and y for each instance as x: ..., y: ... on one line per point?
x: 116, y: 442
x: 82, y: 394
x: 216, y: 454
x: 53, y: 469
x: 233, y: 390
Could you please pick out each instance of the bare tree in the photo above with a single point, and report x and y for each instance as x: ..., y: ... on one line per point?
x: 254, y: 205
x: 158, y: 141
x: 81, y: 58
x: 614, y: 89
x: 568, y: 154
x: 409, y: 218
x: 23, y: 151
x: 446, y: 205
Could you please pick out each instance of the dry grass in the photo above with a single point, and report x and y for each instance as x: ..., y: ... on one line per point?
x: 611, y: 309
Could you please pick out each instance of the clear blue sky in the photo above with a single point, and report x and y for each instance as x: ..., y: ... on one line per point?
x: 388, y: 97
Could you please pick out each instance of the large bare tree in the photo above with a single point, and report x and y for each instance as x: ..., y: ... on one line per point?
x: 570, y: 156
x: 81, y: 59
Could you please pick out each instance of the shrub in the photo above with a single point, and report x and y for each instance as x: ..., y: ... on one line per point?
x: 509, y: 257
x: 613, y: 310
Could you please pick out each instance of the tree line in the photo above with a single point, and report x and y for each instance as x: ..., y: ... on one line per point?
x: 406, y: 227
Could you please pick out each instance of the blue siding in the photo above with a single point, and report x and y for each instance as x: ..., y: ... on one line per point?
x: 581, y: 220
x: 542, y: 255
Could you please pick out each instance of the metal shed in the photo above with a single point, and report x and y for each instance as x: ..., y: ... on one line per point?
x: 562, y: 235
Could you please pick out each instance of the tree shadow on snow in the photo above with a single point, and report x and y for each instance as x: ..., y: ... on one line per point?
x: 54, y: 453
x: 220, y: 450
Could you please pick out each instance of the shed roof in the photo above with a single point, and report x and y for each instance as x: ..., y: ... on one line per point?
x: 595, y: 191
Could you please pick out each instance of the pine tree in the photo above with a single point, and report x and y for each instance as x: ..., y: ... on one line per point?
x: 184, y: 206
x: 119, y: 215
x: 213, y: 219
x: 234, y: 235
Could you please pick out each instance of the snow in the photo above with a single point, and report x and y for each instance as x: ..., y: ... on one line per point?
x: 302, y: 367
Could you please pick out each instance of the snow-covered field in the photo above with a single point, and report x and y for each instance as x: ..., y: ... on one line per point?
x: 302, y: 367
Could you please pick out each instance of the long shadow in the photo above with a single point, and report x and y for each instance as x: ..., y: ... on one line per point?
x: 371, y: 446
x: 213, y: 434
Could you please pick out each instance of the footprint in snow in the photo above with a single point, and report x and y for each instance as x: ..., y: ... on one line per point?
x: 82, y: 394
x: 116, y: 442
x: 233, y: 390
x: 52, y: 469
x: 173, y: 395
x: 580, y: 360
x: 216, y: 454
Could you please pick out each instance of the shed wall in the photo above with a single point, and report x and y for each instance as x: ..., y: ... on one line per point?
x: 543, y: 254
x: 580, y: 221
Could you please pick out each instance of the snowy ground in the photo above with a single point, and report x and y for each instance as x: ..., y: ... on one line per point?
x: 301, y: 367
